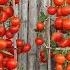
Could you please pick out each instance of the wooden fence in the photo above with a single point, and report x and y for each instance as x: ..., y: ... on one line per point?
x: 28, y: 11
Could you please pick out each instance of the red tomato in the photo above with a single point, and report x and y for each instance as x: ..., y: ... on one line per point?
x: 59, y: 58
x: 1, y: 68
x: 9, y: 43
x: 14, y: 29
x: 19, y: 42
x: 3, y: 44
x: 9, y: 10
x: 15, y: 21
x: 65, y: 11
x: 3, y: 2
x: 64, y: 43
x: 11, y: 63
x: 39, y: 41
x: 58, y: 2
x: 3, y: 17
x: 68, y: 2
x: 2, y: 31
x: 68, y: 67
x: 51, y: 10
x: 66, y: 24
x: 59, y: 67
x: 68, y: 56
x: 26, y: 48
x: 57, y: 36
x: 40, y: 26
x: 43, y: 60
x: 58, y: 23
x: 9, y: 35
x: 17, y: 1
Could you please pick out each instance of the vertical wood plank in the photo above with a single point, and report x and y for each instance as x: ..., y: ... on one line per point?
x: 23, y: 14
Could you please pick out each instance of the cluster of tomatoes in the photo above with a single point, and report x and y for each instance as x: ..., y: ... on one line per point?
x: 8, y: 61
x: 62, y: 61
x: 61, y: 23
x: 39, y: 41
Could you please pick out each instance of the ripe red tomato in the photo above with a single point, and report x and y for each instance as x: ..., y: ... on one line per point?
x: 2, y: 31
x: 59, y: 58
x: 51, y: 10
x: 65, y: 11
x: 9, y: 35
x: 17, y: 1
x: 59, y: 67
x: 68, y: 2
x: 26, y: 48
x: 68, y: 56
x: 1, y: 57
x: 40, y: 26
x: 39, y: 41
x: 59, y: 13
x: 15, y: 21
x: 66, y: 24
x: 3, y: 17
x: 3, y: 2
x: 64, y: 43
x: 58, y: 2
x: 58, y: 23
x: 9, y: 43
x: 57, y: 36
x: 68, y: 67
x: 9, y: 10
x: 11, y: 63
x: 19, y: 42
x: 1, y: 68
x: 14, y: 29
x: 3, y: 44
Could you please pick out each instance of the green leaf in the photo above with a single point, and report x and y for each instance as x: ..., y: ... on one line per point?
x: 53, y: 44
x: 42, y: 17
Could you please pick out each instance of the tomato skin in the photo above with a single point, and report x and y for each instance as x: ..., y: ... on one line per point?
x: 68, y: 2
x: 14, y: 29
x: 1, y: 57
x: 2, y: 31
x: 64, y: 43
x: 17, y: 1
x: 58, y: 23
x: 19, y: 42
x: 15, y: 21
x: 68, y: 56
x: 9, y: 35
x: 39, y: 41
x: 26, y: 48
x: 3, y: 2
x: 51, y: 10
x: 9, y: 10
x: 59, y: 67
x: 40, y: 26
x: 3, y: 44
x: 3, y: 17
x: 68, y: 67
x: 66, y: 24
x: 11, y: 63
x: 9, y: 42
x: 59, y: 58
x: 59, y: 13
x: 57, y: 36
x: 65, y: 11
x: 58, y: 2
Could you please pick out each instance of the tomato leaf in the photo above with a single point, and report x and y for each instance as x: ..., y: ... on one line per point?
x: 42, y: 17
